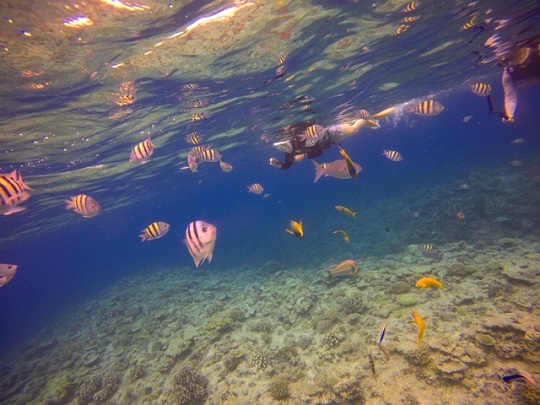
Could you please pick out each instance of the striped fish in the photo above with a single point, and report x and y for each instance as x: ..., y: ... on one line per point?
x: 410, y: 19
x: 427, y: 108
x: 84, y: 205
x: 401, y: 29
x: 194, y: 138
x: 200, y: 241
x: 313, y: 134
x: 154, y: 231
x: 430, y: 250
x: 481, y: 89
x: 410, y: 7
x: 142, y: 151
x: 12, y: 193
x: 256, y: 188
x: 196, y: 117
x: 209, y: 155
x: 393, y: 155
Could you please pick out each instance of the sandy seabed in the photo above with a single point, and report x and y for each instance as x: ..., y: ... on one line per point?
x: 179, y: 336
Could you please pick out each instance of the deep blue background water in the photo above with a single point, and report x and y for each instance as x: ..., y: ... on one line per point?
x: 60, y: 269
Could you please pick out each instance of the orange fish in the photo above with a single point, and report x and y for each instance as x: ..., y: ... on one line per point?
x: 296, y: 229
x: 7, y: 272
x: 345, y: 268
x: 460, y: 215
x: 154, y: 231
x: 420, y: 323
x: 425, y: 282
x: 84, y: 205
x: 142, y: 151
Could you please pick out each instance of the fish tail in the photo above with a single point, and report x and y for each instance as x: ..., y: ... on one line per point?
x: 319, y: 171
x: 69, y: 204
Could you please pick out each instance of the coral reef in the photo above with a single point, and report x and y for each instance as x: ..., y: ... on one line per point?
x: 331, y: 340
x: 260, y: 360
x: 188, y: 387
x: 279, y: 388
x: 419, y: 356
x: 349, y: 389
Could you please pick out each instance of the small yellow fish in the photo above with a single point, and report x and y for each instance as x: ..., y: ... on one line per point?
x: 344, y: 234
x: 351, y: 166
x: 196, y: 117
x: 420, y: 323
x: 346, y: 210
x: 401, y: 29
x: 425, y: 282
x: 296, y: 229
x: 83, y: 204
x: 410, y: 7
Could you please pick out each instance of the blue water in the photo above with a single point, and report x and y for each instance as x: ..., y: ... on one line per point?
x: 62, y: 269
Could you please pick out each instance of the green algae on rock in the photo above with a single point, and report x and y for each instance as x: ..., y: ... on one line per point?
x: 407, y: 299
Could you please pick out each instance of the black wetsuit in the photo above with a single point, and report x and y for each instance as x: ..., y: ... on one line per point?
x: 300, y: 148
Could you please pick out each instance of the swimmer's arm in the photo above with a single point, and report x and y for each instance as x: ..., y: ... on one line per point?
x: 510, y: 96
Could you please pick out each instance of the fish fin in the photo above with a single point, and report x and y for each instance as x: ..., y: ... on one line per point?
x: 69, y: 204
x: 14, y: 210
x: 354, y: 214
x: 143, y: 237
x: 319, y: 171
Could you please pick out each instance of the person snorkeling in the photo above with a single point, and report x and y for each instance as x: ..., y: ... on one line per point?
x: 521, y: 68
x: 308, y: 140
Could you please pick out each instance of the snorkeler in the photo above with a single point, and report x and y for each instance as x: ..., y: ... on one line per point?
x: 522, y: 67
x: 309, y: 140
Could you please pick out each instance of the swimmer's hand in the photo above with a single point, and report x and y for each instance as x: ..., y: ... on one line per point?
x: 298, y: 158
x: 274, y: 162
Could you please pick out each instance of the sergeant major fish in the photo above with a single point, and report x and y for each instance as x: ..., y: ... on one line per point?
x: 313, y: 134
x: 84, y: 205
x: 12, y: 193
x: 200, y: 241
x: 154, y: 231
x: 142, y: 151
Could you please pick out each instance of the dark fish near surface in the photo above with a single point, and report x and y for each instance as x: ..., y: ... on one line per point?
x: 338, y: 169
x: 427, y: 108
x: 430, y: 250
x: 142, y: 151
x: 154, y: 231
x: 200, y: 241
x: 84, y: 205
x: 7, y: 272
x: 12, y: 193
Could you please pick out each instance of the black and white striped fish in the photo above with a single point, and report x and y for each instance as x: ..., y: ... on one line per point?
x: 481, y: 89
x: 200, y: 241
x: 209, y: 155
x: 393, y: 155
x: 154, y: 231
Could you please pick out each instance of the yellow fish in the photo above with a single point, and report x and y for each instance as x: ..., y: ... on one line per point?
x: 425, y: 282
x: 296, y: 229
x: 345, y: 210
x: 350, y: 164
x: 420, y: 323
x: 344, y: 234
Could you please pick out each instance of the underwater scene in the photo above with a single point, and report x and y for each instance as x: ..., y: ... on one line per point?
x: 270, y: 202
